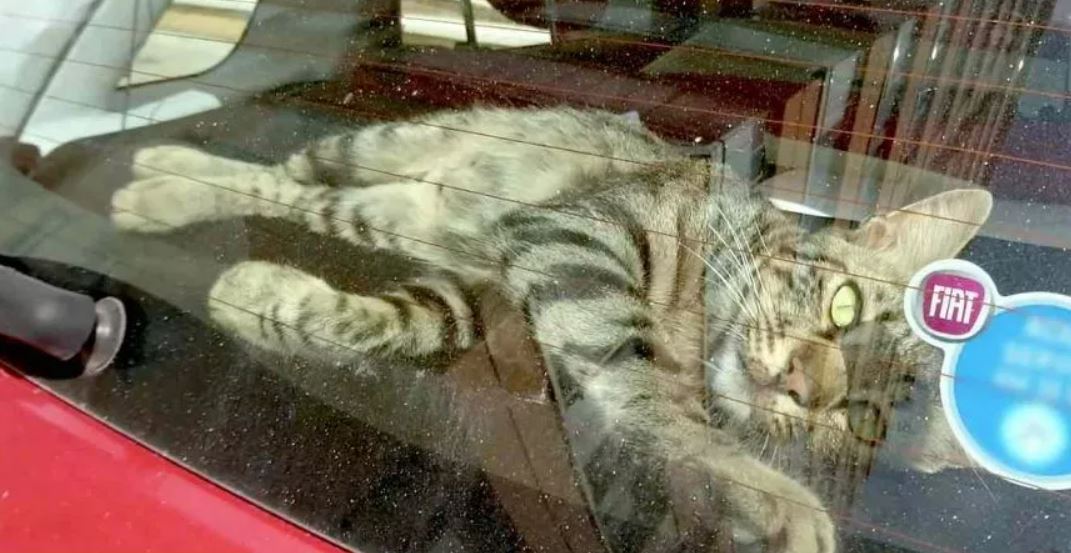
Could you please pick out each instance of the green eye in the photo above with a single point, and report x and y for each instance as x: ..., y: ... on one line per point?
x: 846, y: 305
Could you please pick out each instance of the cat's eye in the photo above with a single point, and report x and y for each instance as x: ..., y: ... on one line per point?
x: 846, y: 305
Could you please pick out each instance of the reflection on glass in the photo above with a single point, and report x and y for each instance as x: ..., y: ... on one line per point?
x: 562, y: 368
x: 190, y: 37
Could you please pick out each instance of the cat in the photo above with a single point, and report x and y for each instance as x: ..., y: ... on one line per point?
x: 624, y: 264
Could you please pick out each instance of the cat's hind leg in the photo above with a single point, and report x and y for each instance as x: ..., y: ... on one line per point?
x: 285, y: 310
x: 178, y: 185
x: 375, y: 154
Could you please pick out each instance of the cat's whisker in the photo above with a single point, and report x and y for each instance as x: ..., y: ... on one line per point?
x: 747, y: 265
x: 740, y: 250
x: 762, y: 298
x: 738, y: 297
x: 724, y: 217
x: 733, y: 327
x: 740, y: 264
x: 735, y: 295
x: 766, y: 251
x: 736, y: 256
x: 762, y: 242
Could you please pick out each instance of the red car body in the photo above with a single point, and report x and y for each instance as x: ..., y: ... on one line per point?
x: 70, y: 483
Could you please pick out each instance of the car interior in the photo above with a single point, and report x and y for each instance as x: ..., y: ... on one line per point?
x: 834, y: 110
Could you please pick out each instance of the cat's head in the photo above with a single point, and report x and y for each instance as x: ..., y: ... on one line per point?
x: 816, y: 348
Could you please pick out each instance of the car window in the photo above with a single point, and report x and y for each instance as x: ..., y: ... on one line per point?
x: 159, y: 156
x: 188, y: 38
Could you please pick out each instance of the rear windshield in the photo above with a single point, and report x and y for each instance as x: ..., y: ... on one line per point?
x: 564, y: 275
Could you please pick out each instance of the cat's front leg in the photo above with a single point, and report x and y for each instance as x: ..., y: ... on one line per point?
x: 285, y: 310
x: 633, y: 415
x: 768, y: 506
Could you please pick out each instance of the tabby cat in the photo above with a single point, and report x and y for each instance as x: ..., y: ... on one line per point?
x: 609, y: 241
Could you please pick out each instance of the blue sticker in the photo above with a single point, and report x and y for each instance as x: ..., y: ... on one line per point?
x: 1006, y: 376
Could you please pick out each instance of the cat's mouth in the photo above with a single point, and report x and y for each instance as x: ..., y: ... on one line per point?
x: 737, y: 398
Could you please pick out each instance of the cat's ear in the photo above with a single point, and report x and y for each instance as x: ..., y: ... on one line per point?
x: 935, y: 228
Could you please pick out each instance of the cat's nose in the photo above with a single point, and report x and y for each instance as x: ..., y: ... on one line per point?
x: 797, y: 384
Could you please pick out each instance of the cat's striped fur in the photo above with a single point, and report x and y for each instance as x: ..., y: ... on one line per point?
x: 606, y: 239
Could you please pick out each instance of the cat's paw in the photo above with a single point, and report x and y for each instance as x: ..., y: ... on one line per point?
x: 173, y: 186
x: 162, y: 203
x: 773, y: 508
x: 180, y: 160
x: 252, y: 301
x: 806, y: 526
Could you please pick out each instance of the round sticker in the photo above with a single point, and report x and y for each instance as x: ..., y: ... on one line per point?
x: 1006, y: 376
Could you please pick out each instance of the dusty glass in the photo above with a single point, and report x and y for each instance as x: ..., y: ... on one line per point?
x: 834, y: 111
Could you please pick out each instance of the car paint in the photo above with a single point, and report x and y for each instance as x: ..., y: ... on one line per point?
x: 70, y: 483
